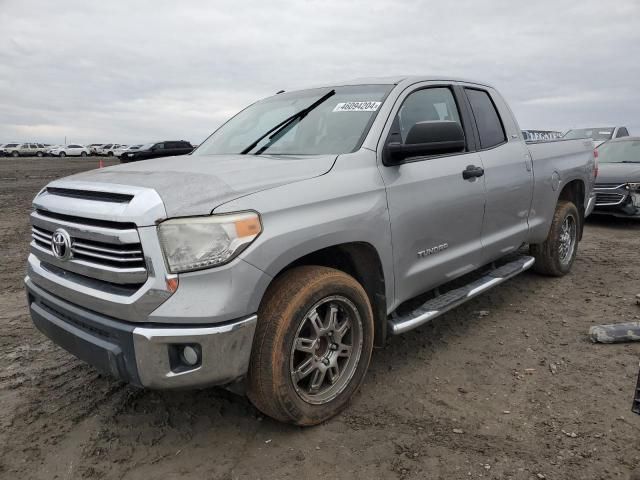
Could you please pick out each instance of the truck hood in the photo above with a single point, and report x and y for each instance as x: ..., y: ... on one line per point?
x: 618, y: 172
x: 196, y: 184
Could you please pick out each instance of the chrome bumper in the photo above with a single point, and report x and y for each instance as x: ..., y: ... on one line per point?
x: 225, y: 351
x: 591, y: 204
x: 144, y: 356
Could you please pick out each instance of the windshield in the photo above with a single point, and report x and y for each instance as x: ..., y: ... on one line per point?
x: 337, y: 125
x: 620, y: 152
x: 603, y: 133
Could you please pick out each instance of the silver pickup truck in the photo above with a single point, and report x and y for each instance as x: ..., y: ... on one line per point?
x: 304, y: 231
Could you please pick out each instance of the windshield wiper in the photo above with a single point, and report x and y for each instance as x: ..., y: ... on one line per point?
x: 287, y: 124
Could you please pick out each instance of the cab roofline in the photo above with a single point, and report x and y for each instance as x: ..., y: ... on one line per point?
x: 391, y: 80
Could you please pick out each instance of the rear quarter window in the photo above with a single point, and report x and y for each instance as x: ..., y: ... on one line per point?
x: 487, y: 118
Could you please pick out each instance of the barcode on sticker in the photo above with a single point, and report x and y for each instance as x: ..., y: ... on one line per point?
x: 357, y: 107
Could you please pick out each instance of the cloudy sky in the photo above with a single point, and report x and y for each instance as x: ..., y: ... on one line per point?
x: 140, y: 70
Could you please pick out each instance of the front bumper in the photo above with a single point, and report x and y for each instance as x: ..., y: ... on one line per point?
x: 145, y: 355
x: 618, y: 201
x: 591, y: 204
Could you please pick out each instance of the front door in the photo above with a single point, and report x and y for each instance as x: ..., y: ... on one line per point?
x: 436, y: 214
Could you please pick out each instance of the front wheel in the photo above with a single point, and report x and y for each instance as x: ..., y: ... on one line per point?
x: 556, y: 254
x: 15, y: 154
x: 312, y: 345
x: 110, y: 154
x: 62, y: 154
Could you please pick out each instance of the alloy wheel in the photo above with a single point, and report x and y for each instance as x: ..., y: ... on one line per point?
x: 326, y: 350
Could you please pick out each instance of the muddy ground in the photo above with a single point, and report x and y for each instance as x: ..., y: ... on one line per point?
x: 507, y: 386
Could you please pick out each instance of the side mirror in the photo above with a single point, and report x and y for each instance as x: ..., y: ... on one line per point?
x: 427, y: 138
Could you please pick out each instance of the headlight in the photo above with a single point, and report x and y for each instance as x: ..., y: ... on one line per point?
x: 200, y: 242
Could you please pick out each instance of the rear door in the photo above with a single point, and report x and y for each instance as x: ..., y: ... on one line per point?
x: 508, y: 173
x: 171, y: 148
x: 184, y: 148
x: 436, y: 215
x: 158, y: 150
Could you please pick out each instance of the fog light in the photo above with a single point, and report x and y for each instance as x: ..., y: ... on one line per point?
x: 190, y: 355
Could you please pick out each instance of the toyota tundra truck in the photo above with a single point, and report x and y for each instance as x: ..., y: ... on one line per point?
x: 303, y: 232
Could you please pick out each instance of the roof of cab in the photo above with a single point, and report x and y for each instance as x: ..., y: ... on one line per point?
x: 391, y: 80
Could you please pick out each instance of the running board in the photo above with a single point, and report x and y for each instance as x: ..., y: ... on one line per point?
x: 445, y: 302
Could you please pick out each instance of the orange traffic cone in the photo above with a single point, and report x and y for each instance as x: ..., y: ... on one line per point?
x: 100, y: 164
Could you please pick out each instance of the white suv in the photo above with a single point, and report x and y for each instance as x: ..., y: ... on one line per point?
x: 108, y: 149
x: 72, y: 150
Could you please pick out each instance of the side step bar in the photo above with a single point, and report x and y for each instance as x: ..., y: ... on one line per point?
x: 443, y: 303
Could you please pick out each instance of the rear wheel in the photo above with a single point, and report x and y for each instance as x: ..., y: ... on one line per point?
x: 312, y: 345
x: 83, y: 154
x: 556, y: 254
x: 39, y: 154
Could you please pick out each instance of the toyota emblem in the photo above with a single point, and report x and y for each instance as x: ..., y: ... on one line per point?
x: 61, y: 244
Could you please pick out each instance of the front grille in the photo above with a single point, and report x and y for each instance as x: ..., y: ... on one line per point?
x: 105, y: 251
x: 96, y: 252
x: 609, y: 198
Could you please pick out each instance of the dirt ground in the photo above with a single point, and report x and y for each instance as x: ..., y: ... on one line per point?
x: 507, y: 386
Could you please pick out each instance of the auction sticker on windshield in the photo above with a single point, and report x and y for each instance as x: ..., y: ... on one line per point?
x: 357, y: 107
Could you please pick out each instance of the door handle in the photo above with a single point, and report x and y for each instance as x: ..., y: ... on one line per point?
x: 472, y: 172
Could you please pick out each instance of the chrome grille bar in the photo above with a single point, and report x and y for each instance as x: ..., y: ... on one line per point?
x: 108, y: 254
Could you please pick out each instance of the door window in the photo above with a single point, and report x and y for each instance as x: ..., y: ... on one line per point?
x: 487, y: 118
x: 425, y: 105
x: 622, y: 132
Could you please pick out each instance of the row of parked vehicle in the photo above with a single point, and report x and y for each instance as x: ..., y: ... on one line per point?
x: 126, y: 153
x: 617, y: 186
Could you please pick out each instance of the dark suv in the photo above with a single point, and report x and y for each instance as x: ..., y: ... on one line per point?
x: 154, y: 150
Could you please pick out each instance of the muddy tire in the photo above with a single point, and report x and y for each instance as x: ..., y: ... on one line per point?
x: 312, y: 345
x: 555, y: 256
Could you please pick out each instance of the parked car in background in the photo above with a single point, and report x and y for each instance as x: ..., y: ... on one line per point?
x: 71, y: 150
x: 169, y: 148
x: 108, y: 149
x: 131, y: 148
x: 618, y: 185
x: 9, y: 148
x: 93, y: 148
x: 598, y: 135
x: 309, y: 227
x: 122, y: 148
x: 25, y: 149
x: 50, y: 148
